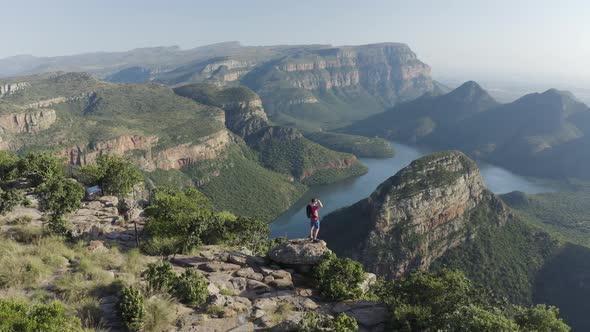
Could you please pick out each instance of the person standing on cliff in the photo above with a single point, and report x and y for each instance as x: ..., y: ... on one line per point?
x: 313, y: 213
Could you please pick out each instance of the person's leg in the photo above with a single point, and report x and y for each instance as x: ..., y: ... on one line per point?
x: 311, y: 231
x: 317, y: 230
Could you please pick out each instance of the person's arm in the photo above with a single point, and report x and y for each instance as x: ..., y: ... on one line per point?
x: 320, y: 203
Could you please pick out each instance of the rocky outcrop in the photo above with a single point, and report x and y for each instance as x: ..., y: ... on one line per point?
x: 78, y: 155
x: 31, y: 121
x: 176, y: 157
x: 10, y: 88
x: 390, y: 71
x: 245, y: 117
x: 414, y: 217
x: 207, y: 148
x: 299, y: 252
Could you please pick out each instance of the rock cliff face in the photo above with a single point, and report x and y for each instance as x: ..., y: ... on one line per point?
x: 389, y: 71
x: 6, y: 89
x: 27, y: 122
x: 414, y: 217
x: 175, y: 157
x: 245, y: 117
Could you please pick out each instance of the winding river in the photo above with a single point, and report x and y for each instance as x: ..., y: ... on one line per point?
x: 293, y: 223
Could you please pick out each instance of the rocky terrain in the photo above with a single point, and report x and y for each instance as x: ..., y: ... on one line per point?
x: 246, y: 292
x: 415, y: 216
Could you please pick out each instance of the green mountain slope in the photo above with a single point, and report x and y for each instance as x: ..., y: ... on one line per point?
x: 281, y: 149
x: 436, y: 213
x: 541, y: 134
x: 358, y: 145
x: 175, y: 140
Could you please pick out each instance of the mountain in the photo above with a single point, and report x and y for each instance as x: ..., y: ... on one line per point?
x: 541, y: 134
x: 437, y: 213
x: 305, y: 88
x: 417, y: 120
x: 173, y: 139
x: 281, y: 149
x: 311, y: 87
x: 413, y: 217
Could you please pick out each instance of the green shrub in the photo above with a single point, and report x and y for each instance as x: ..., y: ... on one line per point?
x: 339, y: 278
x: 160, y: 275
x: 9, y: 199
x: 178, y: 215
x: 315, y: 322
x: 540, y: 318
x: 191, y: 288
x: 8, y: 165
x: 445, y: 300
x: 160, y: 312
x: 16, y: 316
x: 131, y: 308
x: 39, y: 167
x: 251, y: 233
x: 114, y: 174
x: 59, y: 196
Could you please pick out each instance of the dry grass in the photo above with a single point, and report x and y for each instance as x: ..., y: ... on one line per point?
x: 160, y: 312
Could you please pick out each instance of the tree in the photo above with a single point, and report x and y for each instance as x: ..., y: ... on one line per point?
x: 248, y: 232
x: 59, y: 196
x: 9, y: 199
x: 114, y: 174
x: 540, y: 318
x: 178, y: 219
x: 339, y: 278
x: 8, y: 165
x: 39, y: 167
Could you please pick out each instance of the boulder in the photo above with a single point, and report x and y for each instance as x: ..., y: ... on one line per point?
x: 97, y: 246
x: 368, y: 314
x: 218, y: 267
x: 109, y: 201
x: 298, y: 252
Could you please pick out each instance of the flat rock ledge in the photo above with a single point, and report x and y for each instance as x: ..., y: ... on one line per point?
x: 299, y: 252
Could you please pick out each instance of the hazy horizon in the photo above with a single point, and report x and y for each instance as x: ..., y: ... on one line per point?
x: 460, y: 39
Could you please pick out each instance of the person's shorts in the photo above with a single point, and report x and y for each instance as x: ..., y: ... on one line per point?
x: 315, y: 224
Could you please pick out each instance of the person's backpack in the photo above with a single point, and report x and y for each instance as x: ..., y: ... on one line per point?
x: 308, y: 211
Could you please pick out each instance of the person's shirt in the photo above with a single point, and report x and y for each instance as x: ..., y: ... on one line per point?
x: 315, y: 212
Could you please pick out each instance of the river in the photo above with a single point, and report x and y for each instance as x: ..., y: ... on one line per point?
x: 293, y: 223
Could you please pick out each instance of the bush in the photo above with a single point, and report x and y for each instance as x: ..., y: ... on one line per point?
x: 39, y: 167
x: 540, y: 318
x: 191, y: 288
x: 114, y: 174
x: 446, y: 301
x: 9, y: 199
x: 16, y: 316
x: 180, y: 216
x: 339, y: 278
x: 314, y: 322
x: 249, y: 232
x: 131, y: 308
x: 8, y: 165
x: 59, y: 196
x: 160, y: 275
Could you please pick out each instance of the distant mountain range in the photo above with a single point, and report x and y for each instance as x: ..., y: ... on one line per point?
x: 309, y: 86
x: 542, y: 134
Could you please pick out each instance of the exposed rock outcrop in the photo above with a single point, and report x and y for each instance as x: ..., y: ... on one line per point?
x: 412, y: 218
x: 176, y: 157
x: 299, y: 252
x: 245, y: 117
x: 31, y: 121
x: 10, y: 88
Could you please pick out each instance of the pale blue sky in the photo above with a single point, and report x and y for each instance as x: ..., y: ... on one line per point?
x: 508, y: 39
